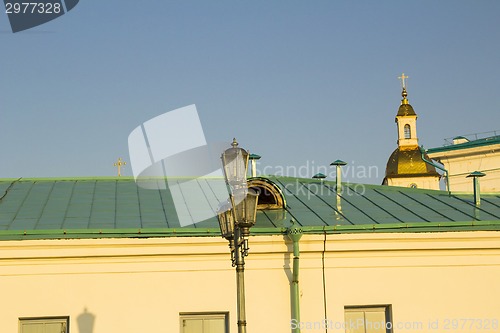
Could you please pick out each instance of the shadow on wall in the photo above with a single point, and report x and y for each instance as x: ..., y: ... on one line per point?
x: 86, y: 322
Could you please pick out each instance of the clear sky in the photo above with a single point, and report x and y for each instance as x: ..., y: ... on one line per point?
x: 301, y: 83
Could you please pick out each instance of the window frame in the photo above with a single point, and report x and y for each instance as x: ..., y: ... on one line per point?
x: 22, y: 320
x: 386, y: 307
x: 204, y: 315
x: 407, y: 131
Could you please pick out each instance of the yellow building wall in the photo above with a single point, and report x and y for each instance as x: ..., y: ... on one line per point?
x: 142, y: 285
x: 460, y: 163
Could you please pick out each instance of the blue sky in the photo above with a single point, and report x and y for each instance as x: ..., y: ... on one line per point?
x: 301, y: 83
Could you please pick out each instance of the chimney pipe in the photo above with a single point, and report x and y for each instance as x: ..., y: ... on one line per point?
x: 477, y: 193
x: 253, y: 160
x: 338, y: 180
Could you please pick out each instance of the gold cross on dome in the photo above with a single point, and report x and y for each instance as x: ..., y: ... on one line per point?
x: 403, y: 78
x: 119, y: 165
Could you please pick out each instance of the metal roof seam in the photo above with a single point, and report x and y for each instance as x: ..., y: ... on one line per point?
x: 45, y: 205
x: 334, y: 208
x: 371, y: 201
x: 477, y: 207
x: 21, y: 205
x: 139, y: 204
x: 163, y: 208
x: 9, y: 188
x: 298, y: 199
x: 289, y: 208
x: 92, y: 202
x: 400, y: 205
x: 313, y: 211
x: 490, y: 202
x: 327, y: 203
x: 426, y: 206
x: 205, y: 195
x: 187, y: 206
x: 115, y: 218
x: 270, y: 221
x: 350, y: 203
x: 461, y: 211
x: 69, y: 202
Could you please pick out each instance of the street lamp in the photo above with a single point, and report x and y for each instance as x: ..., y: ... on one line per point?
x: 236, y: 217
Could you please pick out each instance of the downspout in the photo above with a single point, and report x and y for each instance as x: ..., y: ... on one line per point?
x: 422, y: 151
x: 294, y: 233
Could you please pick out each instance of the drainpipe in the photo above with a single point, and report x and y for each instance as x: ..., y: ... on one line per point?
x: 422, y: 152
x: 294, y: 233
x: 477, y: 195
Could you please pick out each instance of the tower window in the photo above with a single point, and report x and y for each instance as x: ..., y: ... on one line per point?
x: 407, y: 131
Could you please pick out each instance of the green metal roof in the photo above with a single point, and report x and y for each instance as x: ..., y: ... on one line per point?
x: 117, y: 207
x: 466, y: 145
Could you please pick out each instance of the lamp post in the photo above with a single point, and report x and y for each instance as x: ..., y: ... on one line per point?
x: 236, y: 217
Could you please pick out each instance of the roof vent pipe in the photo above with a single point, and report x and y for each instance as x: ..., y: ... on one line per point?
x: 253, y: 161
x: 319, y: 176
x: 477, y: 195
x: 338, y: 180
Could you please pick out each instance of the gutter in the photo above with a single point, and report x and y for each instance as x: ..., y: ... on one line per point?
x: 422, y: 152
x: 255, y: 231
x: 294, y: 233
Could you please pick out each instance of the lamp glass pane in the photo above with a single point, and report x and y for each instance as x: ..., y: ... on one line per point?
x: 235, y: 162
x: 251, y: 205
x: 246, y: 209
x: 229, y: 223
x: 226, y: 220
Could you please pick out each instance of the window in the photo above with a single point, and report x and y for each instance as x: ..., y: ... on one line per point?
x: 44, y: 325
x: 407, y: 131
x: 204, y: 322
x: 368, y: 319
x: 270, y: 195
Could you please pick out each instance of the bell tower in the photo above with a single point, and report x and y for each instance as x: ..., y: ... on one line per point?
x: 406, y: 165
x: 406, y: 120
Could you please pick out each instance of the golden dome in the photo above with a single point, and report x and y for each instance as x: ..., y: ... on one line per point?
x: 408, y: 162
x: 405, y: 110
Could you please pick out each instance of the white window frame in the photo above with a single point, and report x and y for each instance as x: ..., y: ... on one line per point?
x: 44, y: 320
x: 386, y: 308
x: 204, y: 315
